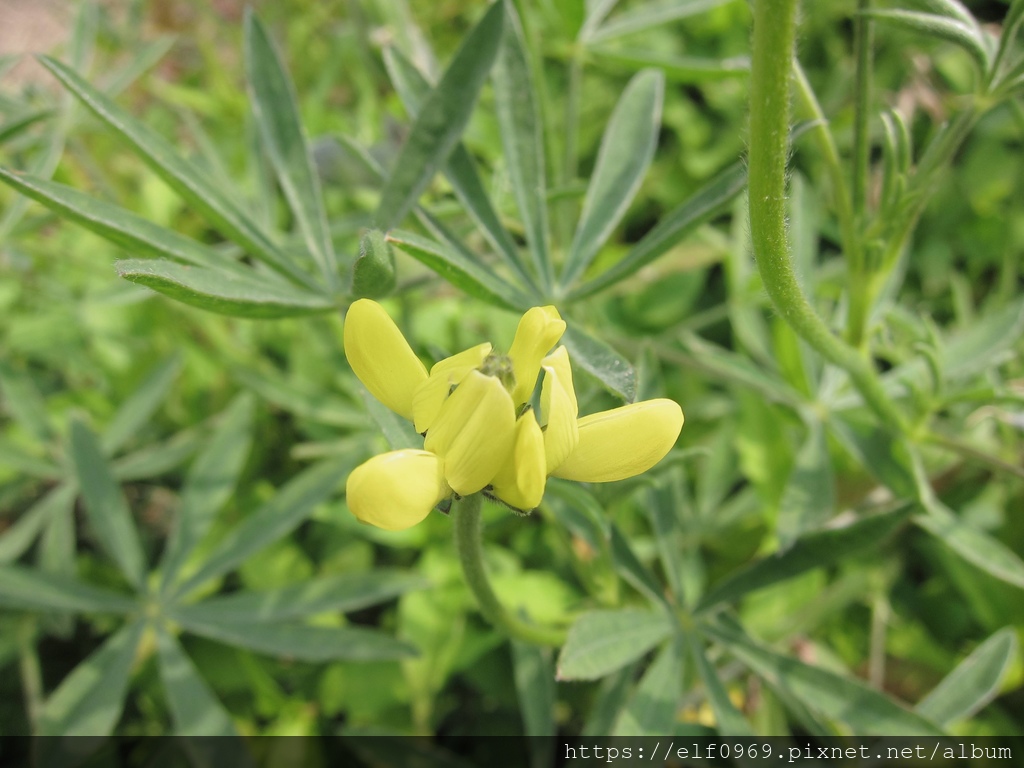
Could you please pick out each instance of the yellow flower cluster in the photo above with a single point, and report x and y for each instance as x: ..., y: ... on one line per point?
x: 480, y: 432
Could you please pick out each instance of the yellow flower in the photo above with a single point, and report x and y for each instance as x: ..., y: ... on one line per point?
x: 481, y: 433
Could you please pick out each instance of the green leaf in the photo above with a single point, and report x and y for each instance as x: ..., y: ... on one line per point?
x: 121, y: 227
x: 373, y: 274
x: 138, y: 409
x: 399, y: 432
x: 90, y: 699
x: 973, y: 545
x: 303, y: 642
x: 862, y: 709
x: 22, y: 122
x: 729, y: 720
x: 709, y: 201
x: 609, y: 701
x: 209, y: 484
x: 601, y: 361
x: 967, y: 36
x: 195, y: 710
x: 632, y: 570
x: 884, y: 456
x: 157, y: 458
x: 738, y: 369
x: 473, y: 277
x: 105, y: 505
x: 821, y: 549
x: 460, y: 169
x: 690, y: 70
x: 338, y: 593
x: 627, y: 149
x: 651, y: 710
x: 292, y: 504
x: 276, y: 110
x: 189, y: 181
x: 809, y: 497
x: 535, y: 688
x: 651, y: 14
x: 979, y: 345
x: 31, y: 589
x: 600, y: 642
x: 24, y: 404
x: 222, y: 292
x: 522, y: 140
x: 16, y: 540
x: 441, y: 119
x: 20, y: 460
x: 973, y: 683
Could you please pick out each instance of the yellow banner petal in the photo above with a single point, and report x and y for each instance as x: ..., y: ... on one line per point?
x: 623, y: 442
x: 520, y: 482
x: 559, y: 409
x: 396, y: 490
x: 431, y: 394
x: 538, y: 331
x: 473, y: 433
x: 381, y: 357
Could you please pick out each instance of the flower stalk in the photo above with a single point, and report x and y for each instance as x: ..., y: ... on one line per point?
x: 771, y: 68
x: 469, y: 546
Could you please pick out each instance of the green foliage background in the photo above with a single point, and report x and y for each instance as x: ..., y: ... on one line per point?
x: 175, y: 550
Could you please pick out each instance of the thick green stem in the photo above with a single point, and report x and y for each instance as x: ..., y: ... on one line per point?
x: 774, y: 36
x: 469, y: 545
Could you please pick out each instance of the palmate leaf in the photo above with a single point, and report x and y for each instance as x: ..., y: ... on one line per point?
x: 189, y: 181
x: 973, y: 683
x: 646, y: 15
x: 278, y: 517
x: 651, y: 710
x: 224, y: 293
x: 276, y: 110
x: 459, y: 169
x: 601, y: 642
x: 119, y: 226
x: 522, y: 140
x: 209, y: 484
x: 809, y: 497
x: 627, y: 149
x: 730, y: 721
x: 90, y: 699
x: 35, y: 590
x: 195, y: 709
x: 137, y: 410
x: 709, y: 201
x: 601, y: 361
x: 972, y: 544
x: 335, y: 593
x: 441, y: 120
x: 821, y: 549
x: 465, y: 273
x: 105, y: 505
x: 292, y: 640
x: 966, y: 35
x: 862, y: 709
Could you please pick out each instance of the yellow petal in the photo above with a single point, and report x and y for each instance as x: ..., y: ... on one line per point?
x: 396, y: 490
x: 381, y: 357
x: 520, y: 481
x: 538, y: 331
x: 473, y: 433
x: 559, y: 408
x: 431, y: 394
x: 623, y: 442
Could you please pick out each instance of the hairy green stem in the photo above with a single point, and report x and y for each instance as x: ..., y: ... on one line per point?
x: 771, y: 66
x: 862, y: 106
x: 469, y: 545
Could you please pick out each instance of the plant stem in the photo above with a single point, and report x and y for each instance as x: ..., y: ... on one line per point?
x: 862, y: 88
x: 774, y: 36
x: 469, y: 545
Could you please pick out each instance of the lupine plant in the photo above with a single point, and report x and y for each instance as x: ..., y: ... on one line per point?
x: 617, y: 214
